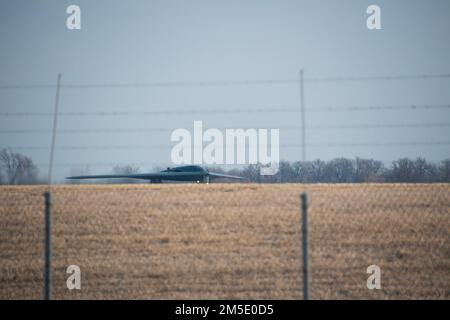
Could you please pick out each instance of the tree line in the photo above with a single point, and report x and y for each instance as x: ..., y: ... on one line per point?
x: 344, y: 170
x: 16, y: 168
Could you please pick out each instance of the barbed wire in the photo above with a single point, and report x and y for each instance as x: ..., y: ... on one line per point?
x: 145, y: 147
x: 375, y: 78
x: 149, y: 130
x: 392, y: 107
x: 149, y: 112
x: 102, y: 164
x: 224, y: 82
x: 221, y: 111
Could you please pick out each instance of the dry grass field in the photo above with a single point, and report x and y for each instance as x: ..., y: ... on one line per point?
x: 231, y: 241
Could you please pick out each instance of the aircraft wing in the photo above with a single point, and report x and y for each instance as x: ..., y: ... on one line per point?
x: 145, y: 176
x: 177, y: 176
x: 220, y: 175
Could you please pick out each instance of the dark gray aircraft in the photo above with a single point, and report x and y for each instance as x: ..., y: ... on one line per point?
x: 185, y: 173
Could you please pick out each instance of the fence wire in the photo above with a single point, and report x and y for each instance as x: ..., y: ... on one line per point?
x: 228, y: 241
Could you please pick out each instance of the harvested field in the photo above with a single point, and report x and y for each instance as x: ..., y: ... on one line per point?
x: 227, y: 241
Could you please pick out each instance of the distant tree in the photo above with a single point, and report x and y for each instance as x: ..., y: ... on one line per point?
x: 407, y: 170
x: 17, y: 168
x: 340, y: 170
x: 444, y: 171
x: 286, y: 172
x: 298, y: 171
x: 402, y: 171
x: 368, y: 170
x: 308, y: 172
x: 315, y: 171
x: 424, y: 171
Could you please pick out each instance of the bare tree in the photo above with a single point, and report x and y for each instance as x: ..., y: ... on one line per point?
x: 314, y: 171
x: 308, y: 171
x: 402, y: 171
x: 368, y: 170
x: 444, y: 171
x: 424, y: 171
x: 407, y: 170
x: 340, y: 170
x: 17, y: 168
x: 286, y: 172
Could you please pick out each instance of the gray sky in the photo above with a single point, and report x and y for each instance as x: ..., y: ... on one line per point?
x: 184, y: 41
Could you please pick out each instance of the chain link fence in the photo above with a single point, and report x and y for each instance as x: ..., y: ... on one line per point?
x: 401, y: 228
x: 228, y: 241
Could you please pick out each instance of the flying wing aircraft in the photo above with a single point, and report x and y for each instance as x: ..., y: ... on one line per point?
x: 184, y: 173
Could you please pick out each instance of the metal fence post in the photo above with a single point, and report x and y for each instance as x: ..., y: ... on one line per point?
x: 48, y: 246
x: 305, y: 244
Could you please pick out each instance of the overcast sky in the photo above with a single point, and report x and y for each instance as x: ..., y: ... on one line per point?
x: 189, y: 41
